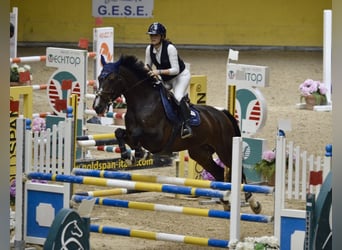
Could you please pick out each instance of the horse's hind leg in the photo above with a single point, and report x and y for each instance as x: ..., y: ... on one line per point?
x: 204, y: 157
x: 253, y: 203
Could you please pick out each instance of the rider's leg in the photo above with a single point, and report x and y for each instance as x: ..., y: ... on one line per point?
x: 180, y: 88
x: 185, y: 113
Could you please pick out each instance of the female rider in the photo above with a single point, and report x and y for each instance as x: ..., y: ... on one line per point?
x: 164, y: 55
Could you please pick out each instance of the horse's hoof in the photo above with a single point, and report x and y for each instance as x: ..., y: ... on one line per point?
x: 226, y: 205
x: 256, y: 207
x: 142, y: 155
x: 148, y: 155
x: 128, y: 162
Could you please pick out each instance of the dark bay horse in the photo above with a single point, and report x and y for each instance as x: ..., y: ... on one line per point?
x: 148, y: 126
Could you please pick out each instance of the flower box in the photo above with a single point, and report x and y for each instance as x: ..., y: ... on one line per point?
x: 266, y: 167
x: 20, y: 76
x: 312, y: 93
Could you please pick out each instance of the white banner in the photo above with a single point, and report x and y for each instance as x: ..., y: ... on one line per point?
x: 69, y: 78
x: 123, y: 8
x: 243, y: 75
x: 103, y: 44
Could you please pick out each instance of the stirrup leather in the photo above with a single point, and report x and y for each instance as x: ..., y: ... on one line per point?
x: 186, y: 131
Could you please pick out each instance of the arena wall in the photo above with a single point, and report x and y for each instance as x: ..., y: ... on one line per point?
x: 201, y: 22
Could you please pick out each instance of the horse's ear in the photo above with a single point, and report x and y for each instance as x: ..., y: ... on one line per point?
x: 103, y: 60
x: 117, y: 64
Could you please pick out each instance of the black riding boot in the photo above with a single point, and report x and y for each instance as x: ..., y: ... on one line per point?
x: 185, y: 114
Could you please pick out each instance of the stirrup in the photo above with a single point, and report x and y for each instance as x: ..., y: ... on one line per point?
x: 186, y: 132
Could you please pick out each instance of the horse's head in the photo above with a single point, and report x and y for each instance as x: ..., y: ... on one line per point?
x: 127, y: 76
x: 110, y: 85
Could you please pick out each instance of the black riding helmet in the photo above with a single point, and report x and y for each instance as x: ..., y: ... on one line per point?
x: 157, y: 29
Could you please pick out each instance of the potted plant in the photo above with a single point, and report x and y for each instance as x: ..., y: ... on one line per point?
x: 266, y: 167
x: 256, y: 243
x: 313, y: 92
x: 20, y: 75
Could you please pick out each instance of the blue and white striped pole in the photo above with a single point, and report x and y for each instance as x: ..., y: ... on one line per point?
x: 172, y: 209
x: 133, y: 185
x: 159, y: 236
x: 170, y: 180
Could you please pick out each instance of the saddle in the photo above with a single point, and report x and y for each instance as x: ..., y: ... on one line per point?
x: 171, y: 110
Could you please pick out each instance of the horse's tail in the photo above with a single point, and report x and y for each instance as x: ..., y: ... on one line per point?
x: 233, y: 121
x: 237, y: 133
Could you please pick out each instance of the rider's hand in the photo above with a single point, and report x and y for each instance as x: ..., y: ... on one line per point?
x: 154, y: 72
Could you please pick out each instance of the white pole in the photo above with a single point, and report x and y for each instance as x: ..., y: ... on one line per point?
x: 19, y: 240
x: 235, y: 200
x: 279, y: 187
x: 327, y: 30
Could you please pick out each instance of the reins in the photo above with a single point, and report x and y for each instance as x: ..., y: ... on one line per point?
x: 135, y: 84
x: 100, y: 92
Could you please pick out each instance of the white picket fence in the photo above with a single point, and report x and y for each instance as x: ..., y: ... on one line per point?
x: 49, y: 151
x: 293, y: 167
x: 296, y: 165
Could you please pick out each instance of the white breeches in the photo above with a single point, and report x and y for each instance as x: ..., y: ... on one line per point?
x: 180, y: 84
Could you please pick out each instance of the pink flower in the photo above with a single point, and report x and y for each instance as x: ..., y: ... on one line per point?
x: 322, y: 89
x: 38, y: 124
x: 268, y: 155
x: 310, y: 86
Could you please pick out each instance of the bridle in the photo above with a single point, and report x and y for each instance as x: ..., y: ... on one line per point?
x: 105, y: 75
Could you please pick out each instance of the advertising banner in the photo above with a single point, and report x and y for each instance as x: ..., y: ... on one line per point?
x: 123, y: 8
x: 69, y: 78
x: 103, y: 44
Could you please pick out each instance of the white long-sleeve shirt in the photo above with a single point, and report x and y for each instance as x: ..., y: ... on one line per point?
x: 173, y: 57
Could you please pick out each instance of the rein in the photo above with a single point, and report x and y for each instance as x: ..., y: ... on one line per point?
x: 100, y: 91
x: 135, y: 84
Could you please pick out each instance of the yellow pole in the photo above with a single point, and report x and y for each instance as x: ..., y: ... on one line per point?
x: 231, y: 109
x: 73, y: 103
x: 198, y: 95
x: 231, y: 99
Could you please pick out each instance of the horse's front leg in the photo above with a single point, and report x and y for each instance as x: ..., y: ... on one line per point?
x: 135, y: 138
x: 133, y: 141
x: 120, y: 135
